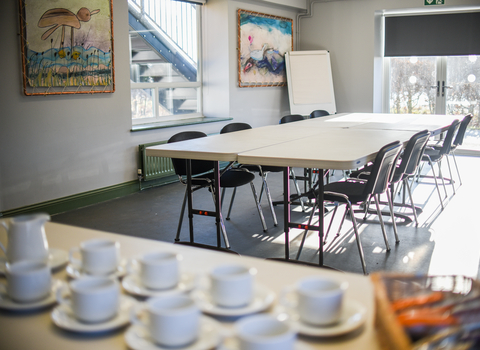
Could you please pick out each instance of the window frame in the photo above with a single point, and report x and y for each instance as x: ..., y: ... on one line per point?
x: 174, y: 120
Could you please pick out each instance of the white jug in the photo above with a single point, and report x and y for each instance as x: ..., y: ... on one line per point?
x: 26, y: 238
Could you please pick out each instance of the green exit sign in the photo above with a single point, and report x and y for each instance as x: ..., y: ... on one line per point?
x: 434, y: 2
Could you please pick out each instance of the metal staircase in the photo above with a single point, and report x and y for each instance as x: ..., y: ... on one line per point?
x: 164, y: 48
x: 165, y: 26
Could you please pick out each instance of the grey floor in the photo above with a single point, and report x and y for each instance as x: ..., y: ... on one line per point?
x: 445, y: 241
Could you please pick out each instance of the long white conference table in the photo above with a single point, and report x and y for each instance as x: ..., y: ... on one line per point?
x: 23, y: 330
x: 341, y: 142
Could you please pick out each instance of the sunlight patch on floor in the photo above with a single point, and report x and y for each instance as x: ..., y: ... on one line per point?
x: 409, y: 257
x: 456, y: 250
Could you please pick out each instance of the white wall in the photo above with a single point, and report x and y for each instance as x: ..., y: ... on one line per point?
x: 56, y: 146
x: 223, y: 98
x: 346, y: 28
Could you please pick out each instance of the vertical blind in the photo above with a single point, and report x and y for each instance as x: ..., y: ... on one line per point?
x: 454, y: 34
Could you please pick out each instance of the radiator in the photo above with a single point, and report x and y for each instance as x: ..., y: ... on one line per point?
x: 155, y: 167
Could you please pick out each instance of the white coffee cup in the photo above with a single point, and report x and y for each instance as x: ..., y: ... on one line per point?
x: 92, y: 299
x: 159, y: 270
x: 232, y: 285
x: 99, y: 256
x: 28, y: 281
x: 320, y: 300
x: 173, y: 321
x: 264, y: 332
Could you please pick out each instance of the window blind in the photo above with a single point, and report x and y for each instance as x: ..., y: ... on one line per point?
x: 454, y: 34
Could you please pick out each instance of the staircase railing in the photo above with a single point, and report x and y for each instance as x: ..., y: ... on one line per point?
x: 175, y: 20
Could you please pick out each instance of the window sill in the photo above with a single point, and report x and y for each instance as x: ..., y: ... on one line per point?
x: 173, y: 123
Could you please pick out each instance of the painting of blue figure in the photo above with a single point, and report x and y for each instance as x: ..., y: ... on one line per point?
x: 68, y: 43
x: 263, y: 42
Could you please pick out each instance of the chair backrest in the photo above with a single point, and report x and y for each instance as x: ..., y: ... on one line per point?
x: 412, y: 153
x: 180, y: 165
x: 461, y: 130
x: 449, y: 137
x: 319, y: 113
x: 291, y: 118
x: 382, y: 168
x: 235, y: 127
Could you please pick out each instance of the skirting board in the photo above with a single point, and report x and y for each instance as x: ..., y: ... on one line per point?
x: 80, y: 200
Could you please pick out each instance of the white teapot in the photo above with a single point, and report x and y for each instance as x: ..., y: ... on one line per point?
x: 26, y: 237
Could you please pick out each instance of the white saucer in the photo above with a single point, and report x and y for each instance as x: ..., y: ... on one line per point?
x: 262, y: 299
x: 133, y: 285
x: 62, y: 316
x: 8, y: 304
x: 353, y: 316
x: 210, y: 336
x: 75, y: 271
x: 233, y: 344
x: 56, y: 258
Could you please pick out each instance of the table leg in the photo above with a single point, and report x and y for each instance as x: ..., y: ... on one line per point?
x: 218, y: 206
x: 286, y: 209
x: 190, y: 198
x: 321, y: 211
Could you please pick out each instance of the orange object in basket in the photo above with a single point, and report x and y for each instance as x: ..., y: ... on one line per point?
x: 420, y: 300
x: 427, y: 317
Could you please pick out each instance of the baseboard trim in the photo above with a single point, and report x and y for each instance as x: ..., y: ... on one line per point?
x: 61, y: 205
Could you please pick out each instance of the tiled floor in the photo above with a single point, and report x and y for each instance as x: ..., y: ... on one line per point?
x: 445, y: 241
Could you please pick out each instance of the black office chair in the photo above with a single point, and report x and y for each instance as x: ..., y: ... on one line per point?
x: 262, y: 170
x: 203, y: 177
x: 355, y: 192
x: 436, y: 154
x: 291, y: 118
x: 458, y: 141
x: 319, y: 113
x: 405, y: 168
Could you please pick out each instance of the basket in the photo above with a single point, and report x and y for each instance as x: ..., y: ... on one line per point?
x: 390, y: 287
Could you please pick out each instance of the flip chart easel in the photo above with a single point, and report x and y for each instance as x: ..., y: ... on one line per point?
x: 310, y: 83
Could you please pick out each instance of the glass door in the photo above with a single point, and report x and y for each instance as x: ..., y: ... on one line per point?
x: 461, y: 92
x: 413, y: 85
x: 438, y: 85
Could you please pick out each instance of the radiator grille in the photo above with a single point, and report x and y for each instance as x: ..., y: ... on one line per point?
x: 155, y: 167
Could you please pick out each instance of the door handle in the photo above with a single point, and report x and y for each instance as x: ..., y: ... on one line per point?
x: 445, y: 87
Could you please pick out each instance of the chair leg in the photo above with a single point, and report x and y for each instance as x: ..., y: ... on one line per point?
x: 380, y: 218
x: 436, y: 182
x: 451, y: 177
x: 231, y: 201
x: 304, y: 235
x: 392, y: 214
x: 297, y: 188
x: 456, y: 166
x: 409, y: 189
x: 306, y: 231
x: 441, y: 177
x: 259, y: 207
x: 269, y: 197
x: 357, y: 238
x: 367, y: 205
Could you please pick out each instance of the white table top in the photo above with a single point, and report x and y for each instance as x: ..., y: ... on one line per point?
x: 414, y: 122
x: 226, y: 147
x: 343, y: 141
x: 36, y: 331
x: 330, y: 148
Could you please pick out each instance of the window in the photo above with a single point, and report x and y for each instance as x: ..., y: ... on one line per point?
x: 435, y: 74
x: 164, y: 76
